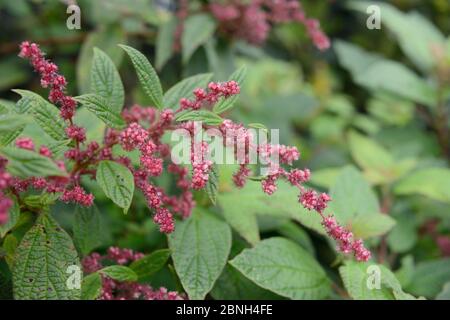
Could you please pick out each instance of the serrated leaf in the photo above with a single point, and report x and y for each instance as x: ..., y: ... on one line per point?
x: 205, y: 116
x: 11, y: 122
x: 283, y: 267
x: 42, y: 262
x: 200, y: 246
x: 87, y: 229
x: 100, y: 107
x: 164, y: 42
x: 198, y: 28
x: 117, y: 182
x: 106, y: 82
x: 119, y: 273
x: 184, y: 89
x: 44, y: 113
x: 91, y: 286
x: 25, y: 163
x: 212, y: 186
x: 146, y: 74
x: 227, y: 103
x: 150, y: 264
x: 59, y: 147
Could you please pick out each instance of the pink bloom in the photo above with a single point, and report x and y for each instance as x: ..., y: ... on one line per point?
x: 133, y: 136
x: 25, y: 143
x: 77, y: 195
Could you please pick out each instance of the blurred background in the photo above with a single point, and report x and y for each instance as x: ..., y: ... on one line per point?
x: 369, y: 115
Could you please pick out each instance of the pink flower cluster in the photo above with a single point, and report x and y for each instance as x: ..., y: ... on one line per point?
x: 144, y: 131
x: 252, y: 20
x: 215, y: 91
x: 49, y: 78
x: 124, y: 290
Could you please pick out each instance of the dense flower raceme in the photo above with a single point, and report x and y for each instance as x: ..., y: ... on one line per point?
x: 144, y: 131
x: 252, y: 20
x: 124, y: 290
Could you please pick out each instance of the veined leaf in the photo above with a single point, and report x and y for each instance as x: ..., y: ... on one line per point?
x: 281, y: 266
x: 200, y: 246
x: 44, y: 262
x: 100, y: 107
x: 117, y: 182
x: 91, y: 287
x: 146, y: 74
x: 106, y: 82
x: 150, y: 264
x: 119, y: 273
x: 25, y: 163
x: 87, y: 229
x: 205, y: 116
x: 45, y: 114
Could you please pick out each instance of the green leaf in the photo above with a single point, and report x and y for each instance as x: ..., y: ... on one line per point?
x: 415, y: 34
x: 232, y: 285
x: 164, y: 42
x: 150, y: 264
x: 87, y: 229
x: 119, y: 273
x: 147, y: 75
x: 431, y: 182
x: 360, y: 280
x: 212, y: 186
x: 100, y: 107
x: 106, y: 82
x: 445, y: 293
x: 198, y: 28
x: 26, y: 163
x: 91, y: 286
x: 258, y: 126
x: 205, y: 116
x: 117, y: 182
x: 59, y: 147
x: 41, y: 270
x: 105, y: 40
x: 429, y: 277
x: 185, y: 88
x: 297, y: 234
x: 45, y: 114
x: 283, y: 267
x: 12, y: 122
x: 378, y: 74
x: 228, y: 103
x: 200, y: 246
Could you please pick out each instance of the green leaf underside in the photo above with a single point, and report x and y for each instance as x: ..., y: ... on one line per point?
x: 119, y: 273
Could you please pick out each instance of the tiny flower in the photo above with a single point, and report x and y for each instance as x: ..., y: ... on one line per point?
x: 25, y: 143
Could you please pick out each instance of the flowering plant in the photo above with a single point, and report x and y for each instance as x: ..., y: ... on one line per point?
x: 163, y: 184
